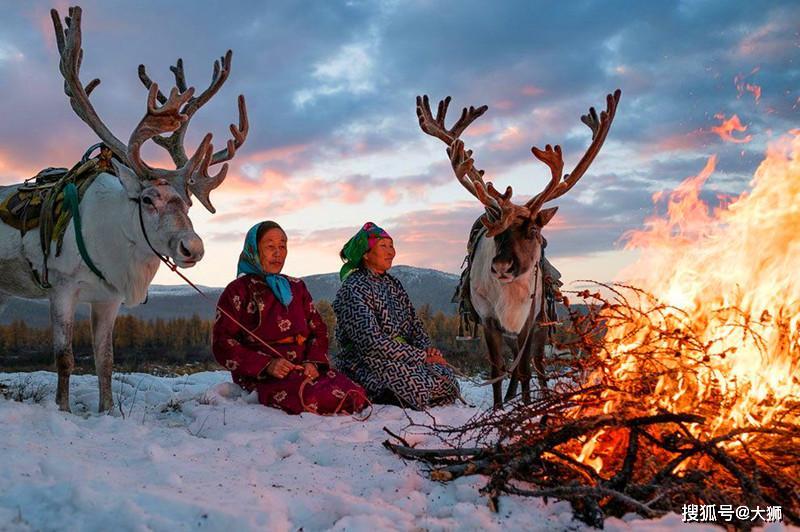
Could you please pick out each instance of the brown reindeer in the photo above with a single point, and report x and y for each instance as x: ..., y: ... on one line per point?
x: 505, y: 277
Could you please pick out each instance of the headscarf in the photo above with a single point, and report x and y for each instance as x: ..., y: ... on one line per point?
x: 249, y: 262
x: 363, y: 241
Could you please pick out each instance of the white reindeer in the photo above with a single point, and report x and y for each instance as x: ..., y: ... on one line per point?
x: 506, y: 281
x: 132, y: 219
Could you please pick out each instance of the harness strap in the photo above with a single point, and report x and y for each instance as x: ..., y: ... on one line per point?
x: 71, y: 200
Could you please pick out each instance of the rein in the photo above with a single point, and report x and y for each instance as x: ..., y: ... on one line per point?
x: 339, y: 407
x: 174, y: 267
x: 529, y: 330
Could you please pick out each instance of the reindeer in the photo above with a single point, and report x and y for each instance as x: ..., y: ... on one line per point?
x: 505, y: 278
x: 133, y: 218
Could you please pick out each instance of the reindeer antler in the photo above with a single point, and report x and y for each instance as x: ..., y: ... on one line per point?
x: 191, y: 175
x: 501, y: 212
x: 461, y: 159
x: 69, y: 48
x: 174, y: 143
x: 201, y: 185
x: 552, y: 156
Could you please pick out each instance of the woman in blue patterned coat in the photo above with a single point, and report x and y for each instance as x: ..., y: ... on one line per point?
x: 383, y: 346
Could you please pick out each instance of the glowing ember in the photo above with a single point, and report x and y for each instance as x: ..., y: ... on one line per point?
x: 742, y: 86
x: 728, y: 282
x: 727, y: 127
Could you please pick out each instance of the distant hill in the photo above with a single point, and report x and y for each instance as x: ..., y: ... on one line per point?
x: 424, y: 286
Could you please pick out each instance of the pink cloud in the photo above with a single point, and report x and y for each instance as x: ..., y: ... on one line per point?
x: 503, y: 105
x: 509, y: 139
x: 678, y: 142
x: 64, y: 150
x: 298, y: 194
x: 478, y: 129
x: 530, y: 90
x: 773, y: 39
x: 287, y: 154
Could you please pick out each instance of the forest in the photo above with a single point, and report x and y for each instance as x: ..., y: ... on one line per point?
x: 183, y: 345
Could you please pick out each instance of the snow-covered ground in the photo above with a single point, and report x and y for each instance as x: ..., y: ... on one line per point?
x: 195, y: 452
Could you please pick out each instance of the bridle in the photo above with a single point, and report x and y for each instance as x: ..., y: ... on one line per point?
x: 166, y: 260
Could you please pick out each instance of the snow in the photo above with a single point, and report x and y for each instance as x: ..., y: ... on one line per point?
x: 196, y: 452
x: 178, y: 290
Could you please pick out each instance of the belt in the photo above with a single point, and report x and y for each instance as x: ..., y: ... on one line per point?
x: 296, y: 339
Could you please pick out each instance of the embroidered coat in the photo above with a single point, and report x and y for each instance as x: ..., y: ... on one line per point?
x: 382, y: 343
x: 297, y: 333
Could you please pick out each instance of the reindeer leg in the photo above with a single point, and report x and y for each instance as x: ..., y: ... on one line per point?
x: 538, y: 343
x: 494, y: 341
x: 103, y: 316
x: 525, y: 369
x: 62, y: 317
x: 511, y: 391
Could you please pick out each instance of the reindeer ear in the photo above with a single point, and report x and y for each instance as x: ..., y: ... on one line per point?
x: 130, y: 181
x: 545, y: 215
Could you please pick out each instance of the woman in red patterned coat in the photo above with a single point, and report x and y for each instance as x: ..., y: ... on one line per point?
x: 270, y: 336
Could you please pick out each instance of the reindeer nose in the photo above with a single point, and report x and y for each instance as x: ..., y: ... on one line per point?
x: 191, y: 249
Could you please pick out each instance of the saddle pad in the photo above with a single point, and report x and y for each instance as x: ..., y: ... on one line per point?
x: 22, y: 209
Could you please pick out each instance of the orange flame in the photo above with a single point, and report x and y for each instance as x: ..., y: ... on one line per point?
x: 704, y: 262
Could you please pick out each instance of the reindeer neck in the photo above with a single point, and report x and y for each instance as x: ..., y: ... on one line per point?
x: 115, y: 241
x: 509, y: 304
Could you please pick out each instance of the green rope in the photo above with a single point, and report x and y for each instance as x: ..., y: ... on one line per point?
x: 71, y: 199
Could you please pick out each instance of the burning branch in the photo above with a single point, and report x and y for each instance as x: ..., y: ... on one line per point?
x: 638, y: 425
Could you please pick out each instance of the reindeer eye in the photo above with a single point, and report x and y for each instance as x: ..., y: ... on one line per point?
x: 147, y: 201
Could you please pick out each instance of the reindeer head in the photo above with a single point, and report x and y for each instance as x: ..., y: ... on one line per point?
x: 191, y: 174
x: 516, y: 229
x: 164, y: 217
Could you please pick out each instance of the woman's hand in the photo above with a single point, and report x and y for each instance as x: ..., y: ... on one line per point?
x: 310, y: 371
x: 280, y: 368
x: 434, y: 356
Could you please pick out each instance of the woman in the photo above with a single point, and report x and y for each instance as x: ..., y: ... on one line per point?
x: 382, y: 343
x: 270, y: 336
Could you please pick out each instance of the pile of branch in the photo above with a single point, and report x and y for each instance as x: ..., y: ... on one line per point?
x: 612, y: 439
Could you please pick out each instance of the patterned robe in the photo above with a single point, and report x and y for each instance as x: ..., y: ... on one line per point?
x: 297, y: 333
x: 382, y: 343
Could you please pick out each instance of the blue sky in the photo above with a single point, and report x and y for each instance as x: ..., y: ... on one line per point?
x: 334, y: 140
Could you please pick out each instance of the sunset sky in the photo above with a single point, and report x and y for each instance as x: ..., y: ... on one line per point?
x: 334, y: 139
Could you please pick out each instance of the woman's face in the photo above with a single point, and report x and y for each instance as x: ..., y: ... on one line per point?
x: 379, y: 258
x: 272, y: 250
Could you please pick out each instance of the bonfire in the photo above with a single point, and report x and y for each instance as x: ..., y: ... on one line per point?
x: 683, y: 392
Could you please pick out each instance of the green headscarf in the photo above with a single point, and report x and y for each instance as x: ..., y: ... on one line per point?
x: 353, y: 251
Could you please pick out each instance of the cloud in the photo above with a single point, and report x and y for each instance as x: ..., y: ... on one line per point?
x: 351, y: 69
x: 9, y: 53
x: 330, y: 91
x: 281, y: 196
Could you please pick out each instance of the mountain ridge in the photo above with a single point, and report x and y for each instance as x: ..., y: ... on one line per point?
x: 425, y: 286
